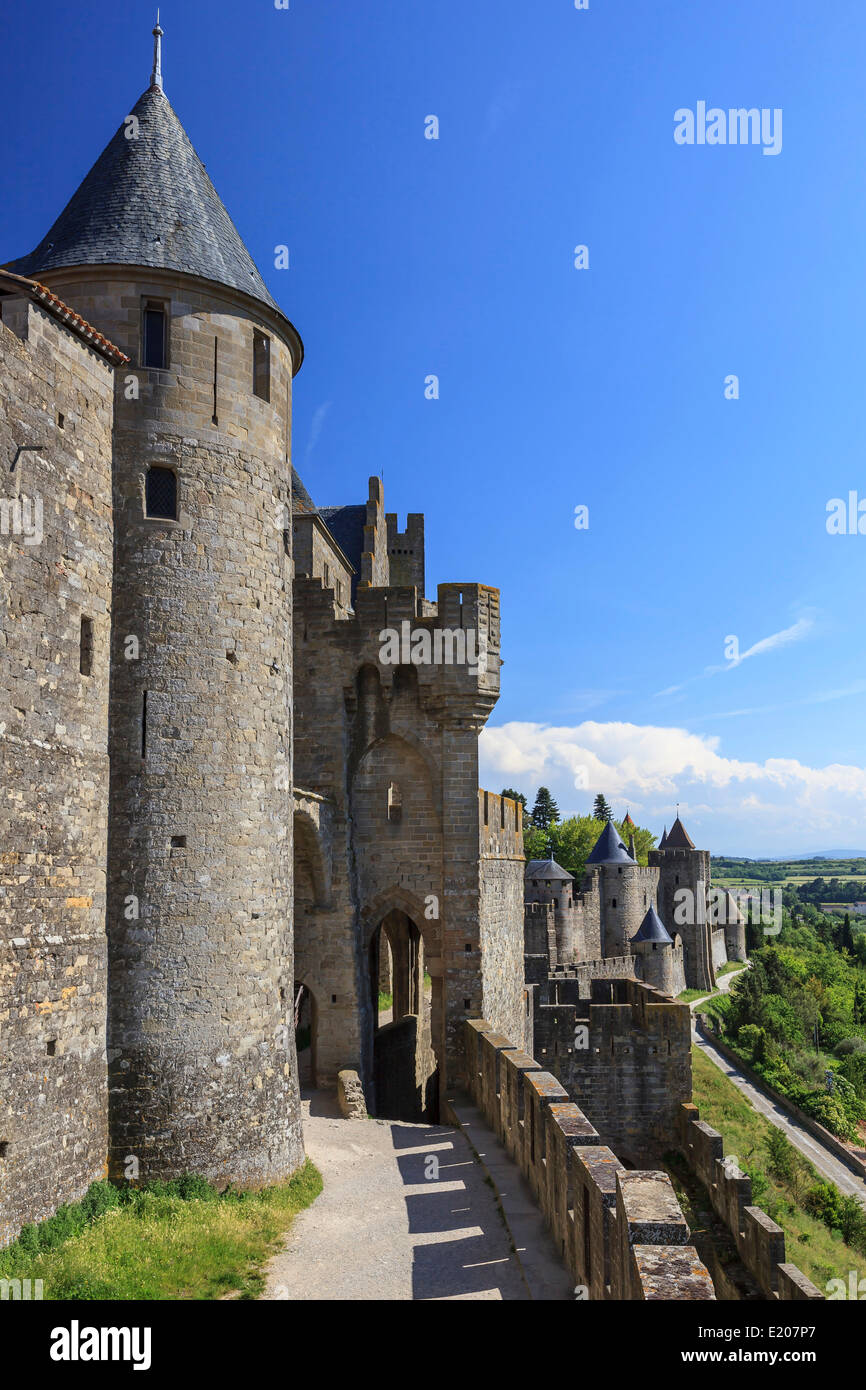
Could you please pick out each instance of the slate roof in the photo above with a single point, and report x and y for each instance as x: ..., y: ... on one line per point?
x: 678, y: 837
x: 609, y: 848
x: 652, y: 929
x: 664, y: 839
x: 346, y: 525
x: 548, y: 869
x: 149, y: 202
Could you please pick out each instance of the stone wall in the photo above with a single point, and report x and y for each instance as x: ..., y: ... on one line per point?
x: 621, y: 1234
x: 58, y: 394
x: 501, y: 911
x: 759, y: 1241
x: 394, y: 749
x: 628, y: 1066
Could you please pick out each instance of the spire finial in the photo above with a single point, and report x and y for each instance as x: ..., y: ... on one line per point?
x: 156, y: 75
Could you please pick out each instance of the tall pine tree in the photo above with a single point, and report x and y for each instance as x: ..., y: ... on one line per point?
x: 545, y: 812
x: 601, y: 810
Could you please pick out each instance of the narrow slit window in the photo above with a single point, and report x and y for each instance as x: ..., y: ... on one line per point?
x: 161, y: 493
x: 395, y: 802
x: 154, y: 334
x: 261, y: 365
x: 144, y: 725
x: 85, y: 647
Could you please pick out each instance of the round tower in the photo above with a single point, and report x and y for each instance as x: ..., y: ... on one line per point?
x: 626, y: 890
x: 547, y: 882
x: 202, y: 1066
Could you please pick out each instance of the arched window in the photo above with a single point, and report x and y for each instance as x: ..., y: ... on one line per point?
x: 161, y: 493
x: 395, y: 802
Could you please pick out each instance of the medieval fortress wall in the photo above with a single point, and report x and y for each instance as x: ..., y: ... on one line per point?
x: 240, y: 778
x: 55, y: 598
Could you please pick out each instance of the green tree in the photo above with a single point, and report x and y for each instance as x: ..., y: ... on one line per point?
x: 545, y: 812
x: 601, y: 810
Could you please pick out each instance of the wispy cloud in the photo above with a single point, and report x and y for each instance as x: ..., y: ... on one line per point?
x: 795, y: 633
x: 316, y: 429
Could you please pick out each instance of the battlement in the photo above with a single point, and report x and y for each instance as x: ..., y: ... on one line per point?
x: 621, y: 1234
x: 624, y: 1055
x: 759, y: 1241
x: 500, y: 825
x: 454, y: 649
x: 406, y: 551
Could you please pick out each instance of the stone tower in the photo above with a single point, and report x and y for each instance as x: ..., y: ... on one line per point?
x: 681, y: 866
x: 202, y: 1066
x: 547, y: 882
x: 626, y: 890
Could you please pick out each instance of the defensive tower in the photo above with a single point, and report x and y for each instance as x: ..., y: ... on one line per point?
x: 202, y: 1068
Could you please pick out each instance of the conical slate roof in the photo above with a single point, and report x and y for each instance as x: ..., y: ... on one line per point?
x: 609, y: 848
x: 547, y: 869
x: 652, y: 929
x: 149, y: 201
x: 663, y: 842
x: 678, y: 837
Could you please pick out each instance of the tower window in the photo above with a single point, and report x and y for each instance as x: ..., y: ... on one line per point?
x: 395, y: 802
x: 261, y: 365
x: 85, y: 646
x: 154, y: 334
x: 161, y: 493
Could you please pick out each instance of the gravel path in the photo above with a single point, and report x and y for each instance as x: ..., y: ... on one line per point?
x: 380, y: 1230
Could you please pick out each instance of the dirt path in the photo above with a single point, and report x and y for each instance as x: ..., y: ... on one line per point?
x: 381, y: 1229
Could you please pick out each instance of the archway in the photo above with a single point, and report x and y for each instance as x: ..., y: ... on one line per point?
x: 309, y: 896
x: 306, y: 1034
x: 405, y: 1067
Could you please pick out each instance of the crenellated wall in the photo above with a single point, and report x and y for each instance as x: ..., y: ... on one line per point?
x: 621, y: 1234
x: 760, y: 1242
x: 624, y: 1057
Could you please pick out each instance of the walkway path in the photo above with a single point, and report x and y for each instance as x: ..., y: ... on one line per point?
x: 824, y: 1159
x: 381, y: 1230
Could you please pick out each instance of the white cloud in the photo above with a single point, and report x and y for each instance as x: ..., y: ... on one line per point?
x: 737, y: 802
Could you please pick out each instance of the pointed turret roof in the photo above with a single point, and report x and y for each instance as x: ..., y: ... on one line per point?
x: 652, y: 928
x: 148, y: 201
x: 679, y: 837
x: 609, y: 848
x: 664, y: 839
x: 547, y: 869
x: 628, y: 820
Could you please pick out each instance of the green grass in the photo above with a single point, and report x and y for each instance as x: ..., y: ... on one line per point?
x: 385, y: 1001
x: 820, y: 1253
x: 157, y: 1243
x: 688, y: 996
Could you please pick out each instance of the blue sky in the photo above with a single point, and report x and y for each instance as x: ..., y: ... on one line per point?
x: 558, y: 387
